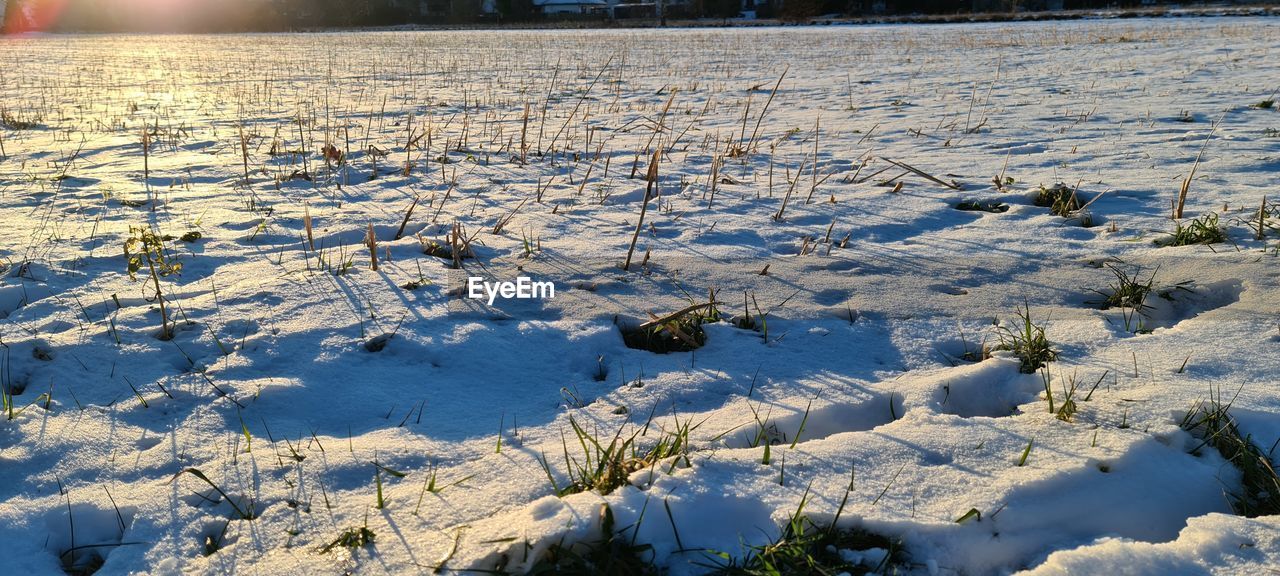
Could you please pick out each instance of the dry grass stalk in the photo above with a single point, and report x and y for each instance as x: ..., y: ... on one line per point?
x: 657, y: 130
x: 502, y: 222
x: 644, y: 206
x: 669, y: 321
x: 585, y: 93
x: 408, y: 147
x: 1181, y: 202
x: 524, y: 132
x: 755, y: 133
x: 371, y: 240
x: 244, y: 153
x: 306, y: 225
x: 922, y: 174
x: 407, y: 214
x: 715, y: 179
x: 146, y: 158
x: 783, y: 209
x: 816, y: 133
x: 1262, y: 219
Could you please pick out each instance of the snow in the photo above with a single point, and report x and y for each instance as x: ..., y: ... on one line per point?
x: 268, y: 387
x: 1214, y: 543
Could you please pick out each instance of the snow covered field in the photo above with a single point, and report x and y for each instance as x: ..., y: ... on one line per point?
x: 297, y: 403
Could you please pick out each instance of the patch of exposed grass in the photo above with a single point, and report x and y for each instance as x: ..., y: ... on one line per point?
x: 358, y: 537
x: 611, y: 554
x: 1259, y: 493
x: 680, y: 331
x: 455, y: 248
x: 1027, y: 341
x: 1128, y: 291
x: 145, y: 251
x: 1067, y: 408
x: 806, y: 548
x: 1202, y: 230
x: 991, y: 206
x: 604, y: 467
x: 11, y: 121
x: 1060, y: 199
x: 982, y: 352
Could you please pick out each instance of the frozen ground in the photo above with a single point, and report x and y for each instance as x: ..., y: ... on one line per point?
x: 873, y: 295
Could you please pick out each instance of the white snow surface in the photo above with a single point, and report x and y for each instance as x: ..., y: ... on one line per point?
x: 873, y: 295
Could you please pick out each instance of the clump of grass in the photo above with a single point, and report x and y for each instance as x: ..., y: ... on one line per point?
x: 1065, y: 201
x: 807, y: 548
x: 352, y: 538
x: 1066, y: 410
x: 680, y: 331
x: 1128, y: 291
x: 991, y: 206
x: 432, y: 485
x: 1259, y: 493
x: 435, y: 248
x: 1060, y: 199
x: 976, y: 354
x: 7, y: 404
x: 758, y: 322
x: 339, y: 266
x: 418, y: 282
x: 1180, y: 202
x: 652, y: 179
x: 455, y: 248
x: 11, y: 121
x: 610, y: 554
x: 604, y: 468
x: 1202, y: 230
x: 1259, y: 223
x: 1027, y: 341
x: 145, y: 249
